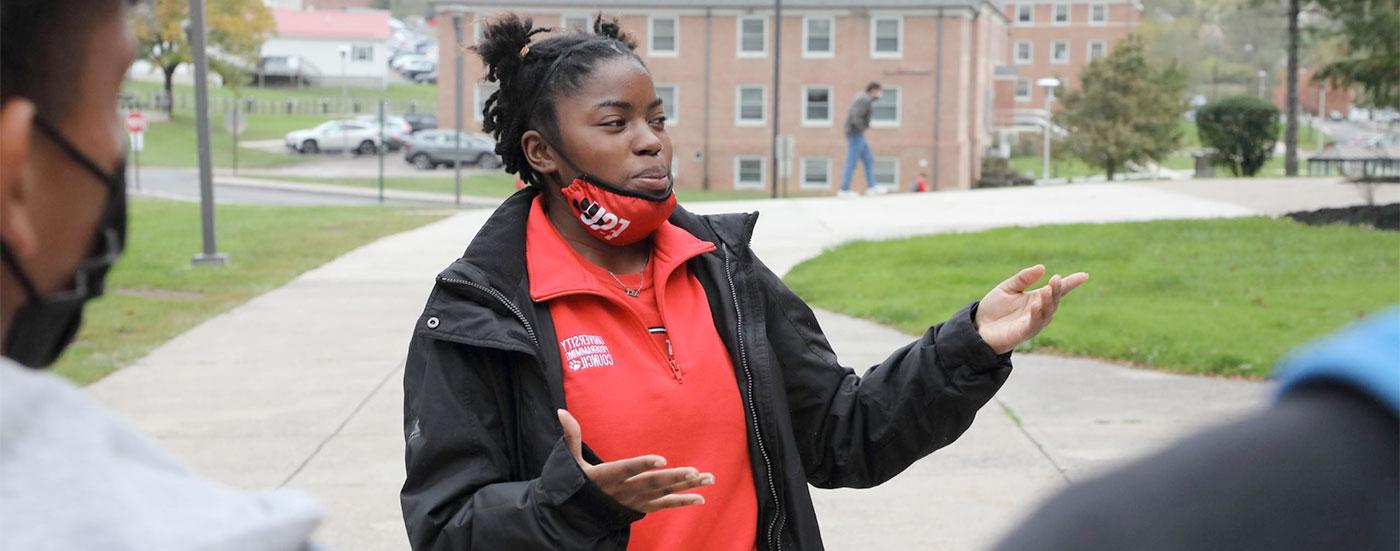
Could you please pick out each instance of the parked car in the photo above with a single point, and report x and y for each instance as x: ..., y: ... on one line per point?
x: 396, y: 129
x: 414, y: 67
x: 397, y: 62
x: 430, y: 149
x: 421, y: 121
x: 356, y: 135
x: 429, y: 77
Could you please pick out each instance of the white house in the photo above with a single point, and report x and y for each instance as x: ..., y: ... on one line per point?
x: 334, y: 47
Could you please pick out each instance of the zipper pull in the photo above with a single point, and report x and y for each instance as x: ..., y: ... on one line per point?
x: 671, y: 359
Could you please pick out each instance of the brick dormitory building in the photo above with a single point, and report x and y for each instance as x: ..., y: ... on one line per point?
x: 943, y: 65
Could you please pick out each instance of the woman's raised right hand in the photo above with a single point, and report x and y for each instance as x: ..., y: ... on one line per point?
x: 638, y: 483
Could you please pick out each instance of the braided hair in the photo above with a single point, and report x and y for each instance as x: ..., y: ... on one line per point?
x: 531, y: 75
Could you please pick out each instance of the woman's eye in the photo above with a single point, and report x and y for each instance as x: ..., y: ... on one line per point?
x: 659, y: 121
x: 615, y: 123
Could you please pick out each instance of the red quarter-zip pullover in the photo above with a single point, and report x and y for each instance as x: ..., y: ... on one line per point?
x: 649, y: 374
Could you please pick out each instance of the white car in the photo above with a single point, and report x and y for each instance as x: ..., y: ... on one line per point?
x: 361, y: 137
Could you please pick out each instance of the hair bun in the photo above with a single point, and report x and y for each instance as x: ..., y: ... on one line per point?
x: 609, y: 28
x: 504, y: 43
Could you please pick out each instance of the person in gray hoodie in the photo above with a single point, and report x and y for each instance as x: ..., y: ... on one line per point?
x: 72, y: 474
x: 857, y: 121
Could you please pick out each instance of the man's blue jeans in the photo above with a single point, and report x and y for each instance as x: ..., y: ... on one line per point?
x: 858, y: 149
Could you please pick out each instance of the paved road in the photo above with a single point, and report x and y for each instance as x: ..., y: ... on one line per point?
x: 300, y: 387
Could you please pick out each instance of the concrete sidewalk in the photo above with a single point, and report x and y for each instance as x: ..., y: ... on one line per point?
x: 302, y: 386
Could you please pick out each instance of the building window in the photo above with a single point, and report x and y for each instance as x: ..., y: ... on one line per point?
x: 818, y: 36
x: 1023, y: 90
x: 1059, y: 52
x: 670, y: 98
x: 1025, y: 54
x: 748, y: 172
x: 884, y: 112
x: 663, y: 36
x: 887, y: 172
x: 886, y: 37
x: 1061, y: 12
x: 575, y: 23
x: 1025, y: 14
x: 816, y: 173
x: 1098, y: 14
x: 1097, y: 49
x: 362, y: 53
x: 816, y: 106
x: 483, y: 91
x: 751, y: 102
x: 753, y: 36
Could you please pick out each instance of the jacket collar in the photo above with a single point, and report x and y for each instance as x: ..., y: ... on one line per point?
x: 496, y: 255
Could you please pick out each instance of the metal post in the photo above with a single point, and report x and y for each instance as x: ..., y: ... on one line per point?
x: 1290, y: 129
x: 137, y: 153
x: 234, y: 130
x: 344, y: 102
x: 1321, y: 117
x: 457, y: 106
x: 210, y: 256
x: 381, y: 149
x: 777, y: 66
x: 937, y: 95
x: 705, y: 156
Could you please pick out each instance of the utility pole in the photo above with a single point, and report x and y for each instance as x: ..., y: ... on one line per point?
x: 1290, y: 131
x: 210, y: 256
x: 777, y: 66
x: 457, y: 104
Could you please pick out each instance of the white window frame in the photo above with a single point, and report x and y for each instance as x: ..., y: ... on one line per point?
x: 1016, y: 90
x: 895, y: 160
x: 1098, y: 22
x: 482, y: 91
x: 830, y: 39
x: 1026, y: 9
x: 651, y: 36
x: 739, y: 106
x: 762, y: 172
x: 898, y: 109
x: 739, y: 36
x: 587, y: 21
x: 356, y: 49
x: 1089, y: 50
x: 1016, y: 52
x: 1055, y: 10
x: 830, y: 106
x: 899, y: 37
x: 1054, y: 47
x: 675, y: 115
x: 802, y: 174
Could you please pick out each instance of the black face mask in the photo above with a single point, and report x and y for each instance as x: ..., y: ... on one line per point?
x: 46, y: 325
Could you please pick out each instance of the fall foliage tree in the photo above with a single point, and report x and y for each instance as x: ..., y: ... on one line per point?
x: 236, y: 30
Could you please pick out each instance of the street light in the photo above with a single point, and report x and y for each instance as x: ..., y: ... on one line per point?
x: 344, y: 99
x: 1049, y: 84
x: 1262, y: 75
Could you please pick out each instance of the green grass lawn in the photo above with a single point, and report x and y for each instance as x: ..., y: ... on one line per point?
x: 490, y: 185
x: 155, y: 294
x: 175, y: 143
x: 424, y: 94
x: 1226, y: 297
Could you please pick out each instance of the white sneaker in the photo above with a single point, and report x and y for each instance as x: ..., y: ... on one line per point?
x: 876, y: 190
x: 846, y: 194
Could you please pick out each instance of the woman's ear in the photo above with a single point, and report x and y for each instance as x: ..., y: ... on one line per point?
x: 16, y: 224
x: 539, y: 153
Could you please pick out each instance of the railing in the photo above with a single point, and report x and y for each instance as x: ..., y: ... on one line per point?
x: 156, y: 100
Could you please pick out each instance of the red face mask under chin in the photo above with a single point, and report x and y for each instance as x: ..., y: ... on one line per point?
x: 614, y: 216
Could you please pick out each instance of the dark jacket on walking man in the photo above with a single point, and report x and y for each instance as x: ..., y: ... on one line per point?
x: 487, y: 468
x: 857, y: 148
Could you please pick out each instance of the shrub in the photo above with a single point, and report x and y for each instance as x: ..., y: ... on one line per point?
x: 1242, y: 130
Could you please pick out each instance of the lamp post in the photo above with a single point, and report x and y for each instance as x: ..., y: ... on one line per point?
x: 1262, y: 75
x: 344, y: 99
x: 1049, y: 84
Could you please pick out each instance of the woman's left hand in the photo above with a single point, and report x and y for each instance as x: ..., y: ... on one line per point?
x: 1009, y: 315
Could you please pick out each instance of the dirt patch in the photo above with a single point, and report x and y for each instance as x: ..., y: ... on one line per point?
x: 1382, y: 217
x: 147, y: 292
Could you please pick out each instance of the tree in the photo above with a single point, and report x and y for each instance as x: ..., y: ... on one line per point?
x: 236, y: 30
x: 1242, y: 130
x: 1126, y: 110
x: 1370, y: 51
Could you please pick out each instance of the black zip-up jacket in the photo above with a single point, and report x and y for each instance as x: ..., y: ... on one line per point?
x: 487, y: 466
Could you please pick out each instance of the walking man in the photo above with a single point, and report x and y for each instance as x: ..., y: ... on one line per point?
x: 857, y: 121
